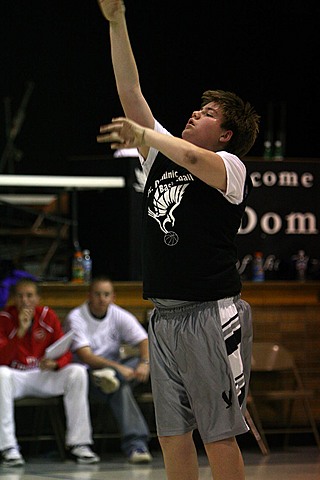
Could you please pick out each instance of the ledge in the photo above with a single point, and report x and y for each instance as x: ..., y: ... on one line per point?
x: 129, y: 294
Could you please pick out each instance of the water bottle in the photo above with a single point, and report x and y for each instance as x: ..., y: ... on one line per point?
x: 87, y: 266
x: 258, y: 271
x: 278, y: 151
x: 77, y: 267
x: 267, y: 152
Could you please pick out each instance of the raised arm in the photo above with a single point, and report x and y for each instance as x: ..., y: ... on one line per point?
x: 204, y: 164
x: 124, y: 65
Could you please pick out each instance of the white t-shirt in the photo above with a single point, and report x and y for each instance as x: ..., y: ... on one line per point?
x: 105, y: 336
x: 236, y: 170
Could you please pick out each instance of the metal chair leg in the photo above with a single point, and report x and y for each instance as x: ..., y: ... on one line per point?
x: 261, y: 442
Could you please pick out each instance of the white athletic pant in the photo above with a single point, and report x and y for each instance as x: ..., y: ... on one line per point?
x: 70, y: 381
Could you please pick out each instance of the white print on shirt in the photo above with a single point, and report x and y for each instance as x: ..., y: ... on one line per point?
x: 39, y: 334
x: 168, y: 193
x: 32, y: 362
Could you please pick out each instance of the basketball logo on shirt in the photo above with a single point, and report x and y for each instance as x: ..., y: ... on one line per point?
x: 167, y: 197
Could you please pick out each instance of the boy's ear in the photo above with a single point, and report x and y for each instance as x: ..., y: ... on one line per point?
x: 226, y: 136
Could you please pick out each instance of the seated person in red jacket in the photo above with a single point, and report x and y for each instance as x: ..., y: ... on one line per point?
x: 26, y: 330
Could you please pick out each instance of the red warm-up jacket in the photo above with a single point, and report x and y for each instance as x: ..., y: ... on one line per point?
x: 24, y: 353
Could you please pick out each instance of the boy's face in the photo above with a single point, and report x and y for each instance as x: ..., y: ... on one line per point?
x: 100, y: 296
x: 204, y: 127
x: 26, y: 296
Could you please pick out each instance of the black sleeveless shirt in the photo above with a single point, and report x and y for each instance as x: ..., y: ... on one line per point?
x: 188, y: 236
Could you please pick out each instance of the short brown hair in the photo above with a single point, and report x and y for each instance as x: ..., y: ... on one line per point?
x: 24, y: 281
x: 239, y: 116
x: 100, y: 278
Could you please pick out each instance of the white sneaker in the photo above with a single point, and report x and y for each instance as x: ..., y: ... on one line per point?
x: 106, y: 380
x: 11, y: 457
x: 84, y: 454
x: 140, y: 456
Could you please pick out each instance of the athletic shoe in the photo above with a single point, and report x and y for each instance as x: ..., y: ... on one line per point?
x: 84, y: 454
x: 106, y: 380
x: 140, y: 456
x: 11, y: 457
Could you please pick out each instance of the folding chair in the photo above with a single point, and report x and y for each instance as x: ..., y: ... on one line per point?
x: 276, y: 381
x: 253, y: 420
x: 52, y: 407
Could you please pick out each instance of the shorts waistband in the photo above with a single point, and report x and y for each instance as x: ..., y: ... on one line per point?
x: 170, y: 311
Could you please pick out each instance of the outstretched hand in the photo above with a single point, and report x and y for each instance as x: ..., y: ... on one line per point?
x: 122, y: 133
x: 111, y: 9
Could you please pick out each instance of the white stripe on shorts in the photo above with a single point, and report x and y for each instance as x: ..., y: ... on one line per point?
x: 231, y: 327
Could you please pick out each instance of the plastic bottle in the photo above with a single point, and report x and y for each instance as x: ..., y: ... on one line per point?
x: 257, y: 268
x: 267, y: 152
x: 301, y: 261
x: 278, y: 151
x: 77, y: 268
x: 87, y: 266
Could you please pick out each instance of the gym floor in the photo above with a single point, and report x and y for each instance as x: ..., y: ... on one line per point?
x: 294, y: 463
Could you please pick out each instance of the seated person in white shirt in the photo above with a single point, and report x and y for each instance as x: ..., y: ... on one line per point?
x: 100, y: 328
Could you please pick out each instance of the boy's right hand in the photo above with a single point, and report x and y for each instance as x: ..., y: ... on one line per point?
x: 112, y: 9
x: 25, y: 320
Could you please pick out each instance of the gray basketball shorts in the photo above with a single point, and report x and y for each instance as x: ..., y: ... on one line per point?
x: 200, y: 367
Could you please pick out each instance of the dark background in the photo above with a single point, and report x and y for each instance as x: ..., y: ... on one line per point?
x: 266, y: 51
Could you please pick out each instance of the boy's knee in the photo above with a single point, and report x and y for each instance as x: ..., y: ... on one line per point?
x: 77, y: 373
x: 5, y: 372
